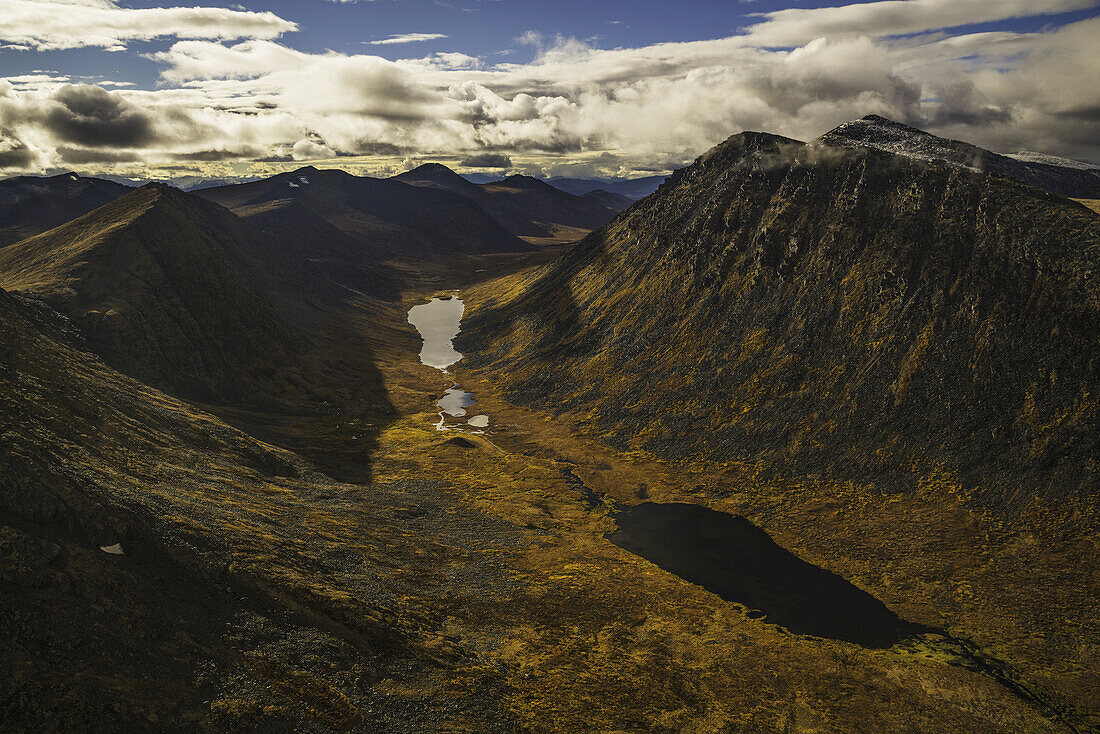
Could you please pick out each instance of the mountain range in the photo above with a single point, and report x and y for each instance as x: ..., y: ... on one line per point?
x: 632, y: 188
x: 33, y: 204
x: 525, y: 206
x: 384, y: 217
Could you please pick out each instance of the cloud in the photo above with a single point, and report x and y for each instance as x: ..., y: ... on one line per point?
x: 574, y: 106
x: 796, y: 26
x: 14, y: 153
x: 59, y: 24
x: 487, y: 160
x: 91, y: 116
x: 310, y: 150
x: 407, y: 38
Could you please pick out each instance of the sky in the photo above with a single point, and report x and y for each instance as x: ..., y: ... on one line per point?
x: 588, y: 88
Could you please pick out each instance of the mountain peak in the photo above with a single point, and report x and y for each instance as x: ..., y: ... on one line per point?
x: 883, y: 121
x: 736, y: 147
x: 518, y: 180
x: 430, y: 172
x: 872, y: 129
x: 154, y: 192
x: 1067, y: 178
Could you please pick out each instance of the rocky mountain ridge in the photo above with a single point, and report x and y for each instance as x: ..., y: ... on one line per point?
x: 826, y: 308
x: 1044, y: 172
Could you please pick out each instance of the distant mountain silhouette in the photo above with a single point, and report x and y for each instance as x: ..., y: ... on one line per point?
x: 386, y: 219
x: 32, y: 204
x: 631, y: 188
x: 525, y: 206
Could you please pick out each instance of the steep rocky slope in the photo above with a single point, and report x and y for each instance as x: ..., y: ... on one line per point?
x: 1057, y: 175
x: 32, y: 204
x: 827, y: 309
x: 181, y: 294
x: 525, y: 206
x: 385, y: 218
x: 169, y: 288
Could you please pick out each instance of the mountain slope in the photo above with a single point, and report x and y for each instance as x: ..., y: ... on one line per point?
x: 32, y: 204
x: 339, y: 255
x: 525, y: 206
x: 1043, y: 172
x: 386, y: 218
x: 167, y: 288
x: 1029, y: 156
x: 826, y: 309
x: 615, y: 202
x: 185, y: 296
x: 891, y: 360
x: 161, y: 571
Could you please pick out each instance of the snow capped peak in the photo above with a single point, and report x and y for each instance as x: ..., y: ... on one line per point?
x: 1028, y: 156
x: 1059, y: 175
x: 880, y: 133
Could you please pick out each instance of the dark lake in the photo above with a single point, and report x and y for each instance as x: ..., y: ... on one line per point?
x: 729, y: 556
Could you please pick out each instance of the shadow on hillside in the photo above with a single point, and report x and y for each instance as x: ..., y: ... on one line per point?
x: 550, y: 308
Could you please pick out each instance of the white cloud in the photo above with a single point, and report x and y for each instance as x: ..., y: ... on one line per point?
x: 407, y: 38
x: 795, y: 26
x: 311, y: 150
x: 605, y: 110
x: 59, y: 24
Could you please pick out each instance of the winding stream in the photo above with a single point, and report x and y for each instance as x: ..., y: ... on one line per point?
x: 439, y: 321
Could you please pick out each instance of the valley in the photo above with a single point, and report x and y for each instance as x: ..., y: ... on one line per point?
x: 787, y: 446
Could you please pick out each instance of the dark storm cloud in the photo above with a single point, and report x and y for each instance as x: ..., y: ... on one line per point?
x: 487, y: 160
x: 221, y: 155
x: 14, y: 153
x: 373, y: 147
x: 91, y: 116
x: 961, y: 104
x: 84, y: 156
x: 1084, y: 114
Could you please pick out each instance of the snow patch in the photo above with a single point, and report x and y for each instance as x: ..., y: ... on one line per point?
x: 1029, y: 156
